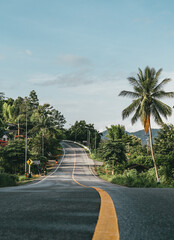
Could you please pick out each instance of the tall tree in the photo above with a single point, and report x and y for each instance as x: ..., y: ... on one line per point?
x: 164, y: 143
x: 2, y: 96
x: 58, y: 119
x: 146, y: 103
x: 2, y: 123
x: 43, y: 122
x: 83, y: 132
x: 33, y: 100
x: 116, y: 132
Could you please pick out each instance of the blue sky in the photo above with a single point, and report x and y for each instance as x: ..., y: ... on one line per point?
x: 78, y: 54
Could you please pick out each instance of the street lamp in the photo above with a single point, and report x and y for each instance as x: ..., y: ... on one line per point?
x: 88, y: 136
x: 95, y: 141
x: 26, y: 146
x: 26, y: 136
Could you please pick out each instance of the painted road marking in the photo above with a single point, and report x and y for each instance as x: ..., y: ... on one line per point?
x: 50, y: 173
x: 107, y: 224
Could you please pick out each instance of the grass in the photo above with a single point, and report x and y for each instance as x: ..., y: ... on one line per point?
x: 23, y: 180
x: 94, y: 157
x: 131, y: 178
x: 7, y: 180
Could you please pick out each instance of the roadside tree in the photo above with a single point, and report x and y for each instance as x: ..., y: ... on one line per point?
x: 146, y: 103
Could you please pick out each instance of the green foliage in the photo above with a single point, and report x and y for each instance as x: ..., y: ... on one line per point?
x: 44, y: 130
x: 142, y: 160
x: 134, y: 141
x: 116, y: 132
x: 146, y: 104
x: 84, y: 133
x: 111, y: 151
x: 2, y: 123
x: 8, y: 180
x: 114, y: 150
x: 164, y: 147
x: 147, y: 92
x: 167, y: 164
x: 137, y: 170
x: 131, y: 178
x: 13, y: 156
x: 164, y: 143
x: 33, y: 100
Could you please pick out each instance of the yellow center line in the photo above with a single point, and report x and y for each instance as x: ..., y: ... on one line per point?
x: 107, y: 224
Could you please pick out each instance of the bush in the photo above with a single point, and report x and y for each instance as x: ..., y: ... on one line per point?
x: 8, y: 180
x: 167, y: 164
x: 131, y: 178
x: 119, y: 168
x: 1, y: 170
x: 146, y: 161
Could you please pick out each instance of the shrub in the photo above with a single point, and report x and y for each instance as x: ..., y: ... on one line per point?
x: 1, y: 170
x: 131, y: 178
x: 8, y: 180
x: 119, y: 168
x: 143, y: 160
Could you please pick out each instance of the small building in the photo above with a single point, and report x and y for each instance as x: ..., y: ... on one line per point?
x: 5, y: 138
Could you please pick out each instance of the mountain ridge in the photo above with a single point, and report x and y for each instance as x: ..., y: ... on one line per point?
x: 140, y: 134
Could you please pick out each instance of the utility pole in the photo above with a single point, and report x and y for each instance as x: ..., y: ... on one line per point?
x: 18, y: 127
x: 26, y: 146
x: 42, y: 144
x: 95, y: 142
x: 29, y: 171
x: 89, y: 138
x: 75, y: 136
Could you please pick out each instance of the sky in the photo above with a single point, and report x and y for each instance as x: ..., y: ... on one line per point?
x: 78, y: 54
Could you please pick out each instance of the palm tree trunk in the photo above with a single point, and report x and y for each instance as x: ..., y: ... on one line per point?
x: 153, y: 158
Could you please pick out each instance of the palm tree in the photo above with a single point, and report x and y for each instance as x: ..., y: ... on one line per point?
x: 146, y: 103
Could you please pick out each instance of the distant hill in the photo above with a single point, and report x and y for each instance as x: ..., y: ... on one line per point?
x: 140, y: 134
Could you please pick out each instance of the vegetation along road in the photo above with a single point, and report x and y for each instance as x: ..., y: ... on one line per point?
x: 72, y: 203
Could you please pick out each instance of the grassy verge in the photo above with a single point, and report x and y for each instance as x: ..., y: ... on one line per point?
x: 16, y: 180
x: 131, y: 178
x: 94, y: 157
x: 50, y: 167
x: 7, y: 180
x: 24, y: 180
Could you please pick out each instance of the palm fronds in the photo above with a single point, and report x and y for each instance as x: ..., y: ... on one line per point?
x: 127, y: 111
x: 129, y: 94
x: 147, y: 92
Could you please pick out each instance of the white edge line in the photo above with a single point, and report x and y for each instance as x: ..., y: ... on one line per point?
x: 52, y: 172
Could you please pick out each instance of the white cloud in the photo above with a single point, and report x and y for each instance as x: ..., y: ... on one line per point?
x: 167, y: 74
x: 72, y: 79
x: 73, y: 60
x: 28, y: 52
x: 169, y: 86
x: 79, y: 78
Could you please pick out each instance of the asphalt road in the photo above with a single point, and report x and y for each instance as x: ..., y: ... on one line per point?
x: 59, y: 208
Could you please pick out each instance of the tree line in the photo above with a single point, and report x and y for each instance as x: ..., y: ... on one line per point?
x: 22, y: 118
x: 44, y: 128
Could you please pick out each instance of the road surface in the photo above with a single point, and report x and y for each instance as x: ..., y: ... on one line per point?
x: 63, y: 206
